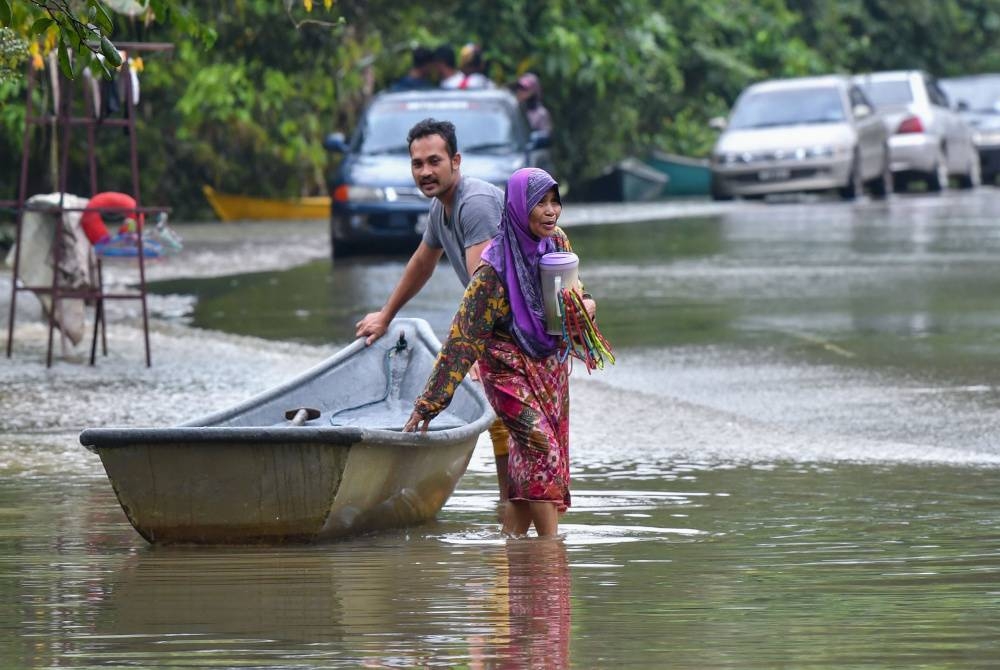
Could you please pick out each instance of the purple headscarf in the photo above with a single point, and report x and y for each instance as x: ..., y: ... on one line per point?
x: 514, y: 254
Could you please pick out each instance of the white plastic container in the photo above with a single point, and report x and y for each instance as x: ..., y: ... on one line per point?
x: 558, y: 270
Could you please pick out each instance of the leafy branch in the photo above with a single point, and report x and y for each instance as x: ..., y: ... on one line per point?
x: 308, y: 4
x: 86, y: 34
x: 13, y: 52
x: 81, y: 29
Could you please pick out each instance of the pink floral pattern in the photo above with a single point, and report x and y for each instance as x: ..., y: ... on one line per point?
x: 530, y: 396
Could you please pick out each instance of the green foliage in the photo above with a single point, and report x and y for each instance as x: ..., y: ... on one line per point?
x: 82, y: 30
x: 13, y: 53
x: 945, y: 37
x: 254, y: 85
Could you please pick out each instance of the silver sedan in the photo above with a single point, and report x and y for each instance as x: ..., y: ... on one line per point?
x: 802, y: 134
x: 929, y: 141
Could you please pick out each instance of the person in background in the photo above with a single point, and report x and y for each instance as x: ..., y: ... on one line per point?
x: 444, y: 60
x: 463, y: 218
x: 501, y: 324
x: 470, y: 62
x: 418, y: 76
x: 529, y: 93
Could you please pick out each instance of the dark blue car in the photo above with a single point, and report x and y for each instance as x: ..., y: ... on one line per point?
x: 376, y: 207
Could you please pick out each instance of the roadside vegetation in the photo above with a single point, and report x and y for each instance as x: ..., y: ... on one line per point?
x: 252, y: 86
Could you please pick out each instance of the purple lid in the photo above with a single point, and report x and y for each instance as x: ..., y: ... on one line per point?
x: 558, y: 259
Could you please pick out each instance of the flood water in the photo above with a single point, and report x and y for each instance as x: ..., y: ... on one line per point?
x: 794, y: 463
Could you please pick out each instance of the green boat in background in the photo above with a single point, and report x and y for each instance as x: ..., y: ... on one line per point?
x: 686, y: 176
x: 628, y: 180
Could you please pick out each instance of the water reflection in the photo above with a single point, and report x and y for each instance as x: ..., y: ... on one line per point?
x: 538, y: 600
x: 687, y: 570
x: 373, y: 603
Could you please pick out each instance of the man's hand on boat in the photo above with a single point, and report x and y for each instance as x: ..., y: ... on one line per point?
x: 414, y: 422
x: 372, y: 327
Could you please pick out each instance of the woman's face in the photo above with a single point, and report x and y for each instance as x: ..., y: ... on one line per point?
x: 543, y: 217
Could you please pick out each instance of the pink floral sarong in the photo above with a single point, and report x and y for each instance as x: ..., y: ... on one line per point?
x: 531, y: 397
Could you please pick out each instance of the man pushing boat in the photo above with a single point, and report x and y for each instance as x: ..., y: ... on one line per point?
x: 464, y: 216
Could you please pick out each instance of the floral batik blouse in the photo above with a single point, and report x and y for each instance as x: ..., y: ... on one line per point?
x: 483, y: 314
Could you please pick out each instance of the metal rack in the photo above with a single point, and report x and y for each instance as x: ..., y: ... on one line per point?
x: 64, y: 120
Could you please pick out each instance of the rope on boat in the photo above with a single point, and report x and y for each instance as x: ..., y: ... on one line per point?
x: 580, y: 336
x: 400, y: 346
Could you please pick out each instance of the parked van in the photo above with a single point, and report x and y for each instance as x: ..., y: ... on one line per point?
x: 375, y: 204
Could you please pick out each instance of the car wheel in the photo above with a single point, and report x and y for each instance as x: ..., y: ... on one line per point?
x: 718, y: 193
x: 937, y: 180
x: 900, y: 182
x: 973, y: 178
x: 854, y: 188
x: 342, y: 248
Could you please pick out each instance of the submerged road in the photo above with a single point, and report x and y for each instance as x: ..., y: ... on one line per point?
x: 799, y: 436
x: 860, y: 330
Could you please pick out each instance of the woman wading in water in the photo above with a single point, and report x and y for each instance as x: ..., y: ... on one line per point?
x: 500, y: 323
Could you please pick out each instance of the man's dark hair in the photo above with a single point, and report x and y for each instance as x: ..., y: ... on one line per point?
x: 445, y: 54
x: 422, y: 56
x: 428, y: 127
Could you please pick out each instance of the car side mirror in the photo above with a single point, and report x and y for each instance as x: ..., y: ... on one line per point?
x: 335, y: 142
x: 861, y: 111
x: 539, y: 139
x: 717, y: 123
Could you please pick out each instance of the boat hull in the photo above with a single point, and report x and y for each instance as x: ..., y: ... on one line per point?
x: 229, y: 207
x: 629, y: 180
x: 281, y: 492
x: 686, y: 176
x: 247, y: 476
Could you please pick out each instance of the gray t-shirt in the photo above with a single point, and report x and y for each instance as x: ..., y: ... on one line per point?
x: 475, y: 217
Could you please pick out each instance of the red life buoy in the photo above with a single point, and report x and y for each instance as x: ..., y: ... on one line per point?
x: 92, y: 221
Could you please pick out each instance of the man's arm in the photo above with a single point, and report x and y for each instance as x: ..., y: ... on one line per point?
x: 474, y: 254
x: 418, y: 270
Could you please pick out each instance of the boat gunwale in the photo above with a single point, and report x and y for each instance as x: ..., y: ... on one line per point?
x: 206, y: 429
x: 685, y: 161
x: 98, y: 438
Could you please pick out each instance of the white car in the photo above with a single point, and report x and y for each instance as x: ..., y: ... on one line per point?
x: 800, y: 135
x: 930, y: 141
x: 977, y: 99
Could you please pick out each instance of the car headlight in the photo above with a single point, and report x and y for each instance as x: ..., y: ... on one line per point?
x: 358, y: 193
x: 727, y: 158
x: 820, y: 151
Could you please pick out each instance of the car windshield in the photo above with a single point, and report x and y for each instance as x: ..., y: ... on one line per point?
x: 887, y: 93
x: 788, y: 107
x: 481, y: 127
x: 981, y: 94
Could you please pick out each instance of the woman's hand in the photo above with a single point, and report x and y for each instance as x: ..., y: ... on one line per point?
x: 591, y: 306
x: 414, y: 422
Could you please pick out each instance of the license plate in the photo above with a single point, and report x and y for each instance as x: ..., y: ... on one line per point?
x: 421, y: 224
x: 774, y: 174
